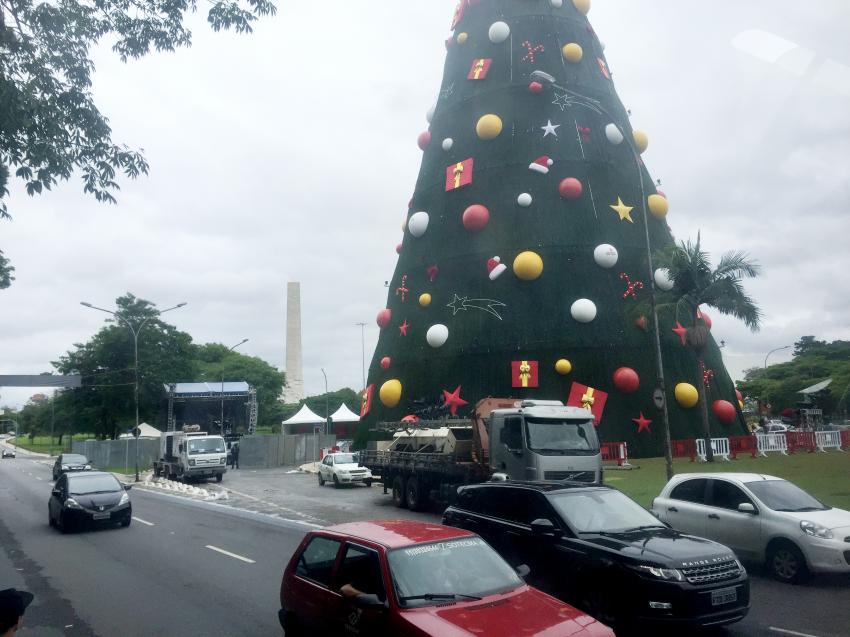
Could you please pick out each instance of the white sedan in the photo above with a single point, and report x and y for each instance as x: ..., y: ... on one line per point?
x: 762, y: 519
x: 343, y: 468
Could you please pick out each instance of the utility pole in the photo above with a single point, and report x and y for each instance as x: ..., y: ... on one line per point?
x: 135, y: 329
x: 327, y: 408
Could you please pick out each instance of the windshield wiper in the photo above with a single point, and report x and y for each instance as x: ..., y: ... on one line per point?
x: 95, y: 492
x: 432, y: 596
x: 643, y: 527
x: 802, y: 510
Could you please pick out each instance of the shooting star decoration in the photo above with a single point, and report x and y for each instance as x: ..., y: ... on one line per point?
x: 464, y: 303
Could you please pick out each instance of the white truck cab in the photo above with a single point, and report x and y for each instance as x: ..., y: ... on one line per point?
x: 191, y: 454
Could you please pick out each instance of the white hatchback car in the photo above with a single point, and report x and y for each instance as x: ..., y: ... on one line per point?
x: 762, y: 519
x: 343, y: 468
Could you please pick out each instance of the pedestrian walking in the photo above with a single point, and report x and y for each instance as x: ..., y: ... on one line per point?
x: 13, y: 604
x: 234, y: 456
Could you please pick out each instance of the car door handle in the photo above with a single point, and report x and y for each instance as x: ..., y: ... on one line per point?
x: 713, y: 516
x: 672, y: 509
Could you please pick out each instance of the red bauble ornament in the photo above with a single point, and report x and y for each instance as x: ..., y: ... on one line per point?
x: 724, y: 411
x: 626, y: 380
x: 642, y: 323
x: 476, y: 218
x: 570, y: 188
x: 706, y: 319
x: 398, y: 249
x: 410, y: 418
x: 424, y: 140
x: 535, y: 87
x: 739, y: 395
x: 384, y: 318
x: 386, y: 361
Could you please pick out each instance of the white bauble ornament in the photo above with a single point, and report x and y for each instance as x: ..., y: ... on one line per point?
x: 448, y: 142
x: 557, y: 3
x: 430, y: 114
x: 524, y: 200
x: 418, y: 224
x: 437, y: 335
x: 583, y: 310
x: 662, y: 279
x: 606, y: 256
x: 499, y: 32
x: 614, y: 135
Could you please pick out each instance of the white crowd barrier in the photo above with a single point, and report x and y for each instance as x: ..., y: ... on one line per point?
x: 719, y: 447
x: 772, y: 442
x: 828, y: 440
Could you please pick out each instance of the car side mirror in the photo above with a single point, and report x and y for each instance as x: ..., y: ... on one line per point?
x: 369, y: 601
x: 127, y: 487
x: 545, y: 528
x: 746, y: 507
x: 522, y: 570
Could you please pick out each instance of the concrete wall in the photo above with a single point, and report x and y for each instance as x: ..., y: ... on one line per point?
x: 117, y: 454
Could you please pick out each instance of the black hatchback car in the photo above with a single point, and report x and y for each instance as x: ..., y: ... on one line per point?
x: 70, y: 462
x: 594, y: 547
x: 90, y: 498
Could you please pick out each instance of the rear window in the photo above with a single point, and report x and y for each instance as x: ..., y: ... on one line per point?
x: 690, y: 491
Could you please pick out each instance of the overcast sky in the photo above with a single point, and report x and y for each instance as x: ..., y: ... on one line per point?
x: 291, y: 155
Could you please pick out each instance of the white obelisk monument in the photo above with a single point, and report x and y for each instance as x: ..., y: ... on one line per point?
x: 293, y: 392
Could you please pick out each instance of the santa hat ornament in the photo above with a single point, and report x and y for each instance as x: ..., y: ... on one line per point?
x: 541, y: 165
x: 496, y: 268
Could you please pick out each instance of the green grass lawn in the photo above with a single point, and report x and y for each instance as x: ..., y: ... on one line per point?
x: 46, y: 444
x: 825, y: 475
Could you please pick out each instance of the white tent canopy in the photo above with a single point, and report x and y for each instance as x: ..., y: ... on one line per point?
x: 344, y: 414
x: 146, y: 432
x: 304, y: 417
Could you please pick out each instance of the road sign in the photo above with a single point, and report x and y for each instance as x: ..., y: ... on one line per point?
x: 658, y: 398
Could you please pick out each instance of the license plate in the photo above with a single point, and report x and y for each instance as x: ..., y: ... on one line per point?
x: 100, y: 516
x: 724, y: 596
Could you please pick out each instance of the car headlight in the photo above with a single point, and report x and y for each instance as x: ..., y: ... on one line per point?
x: 191, y: 463
x: 223, y: 461
x: 88, y: 467
x: 671, y: 574
x: 71, y: 503
x: 815, y: 530
x: 124, y: 499
x: 64, y: 467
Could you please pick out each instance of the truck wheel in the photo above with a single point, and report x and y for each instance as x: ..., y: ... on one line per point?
x: 399, y: 493
x: 219, y: 477
x: 415, y: 494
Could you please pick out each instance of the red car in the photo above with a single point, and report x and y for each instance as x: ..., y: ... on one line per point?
x: 407, y: 578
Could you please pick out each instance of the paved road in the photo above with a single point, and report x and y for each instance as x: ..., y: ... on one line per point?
x: 162, y: 579
x: 156, y: 577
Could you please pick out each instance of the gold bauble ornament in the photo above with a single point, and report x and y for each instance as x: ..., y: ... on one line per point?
x: 563, y: 367
x: 582, y: 5
x: 489, y: 127
x: 572, y: 52
x: 425, y: 300
x: 390, y: 393
x: 658, y: 206
x: 641, y: 141
x: 462, y: 38
x: 686, y: 395
x: 528, y: 266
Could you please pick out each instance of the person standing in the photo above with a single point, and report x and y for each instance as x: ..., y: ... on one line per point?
x: 234, y: 456
x: 13, y: 604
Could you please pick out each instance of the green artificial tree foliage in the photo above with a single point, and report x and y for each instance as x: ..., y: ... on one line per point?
x: 695, y: 284
x: 525, y: 265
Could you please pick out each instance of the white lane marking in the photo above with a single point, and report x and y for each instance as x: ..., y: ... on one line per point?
x: 790, y: 632
x: 143, y: 521
x: 37, y: 478
x: 229, y: 554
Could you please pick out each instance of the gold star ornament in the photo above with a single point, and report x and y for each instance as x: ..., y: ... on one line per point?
x: 623, y: 210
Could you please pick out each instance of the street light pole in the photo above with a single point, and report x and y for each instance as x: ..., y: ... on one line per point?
x: 595, y: 105
x: 327, y: 409
x: 778, y: 349
x: 135, y: 330
x: 363, y: 350
x: 230, y: 349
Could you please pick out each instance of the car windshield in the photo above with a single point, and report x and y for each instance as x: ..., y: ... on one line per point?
x: 781, y: 495
x: 70, y: 458
x: 83, y: 485
x: 344, y: 458
x: 206, y: 445
x: 557, y: 436
x: 602, y: 511
x: 455, y: 569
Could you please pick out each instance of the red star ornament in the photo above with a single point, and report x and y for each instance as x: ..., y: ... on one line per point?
x: 453, y: 400
x: 682, y: 331
x: 402, y: 329
x: 642, y: 423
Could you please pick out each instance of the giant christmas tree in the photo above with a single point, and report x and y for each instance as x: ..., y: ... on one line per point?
x: 524, y: 269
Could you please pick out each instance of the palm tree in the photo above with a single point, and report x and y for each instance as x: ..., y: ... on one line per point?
x: 696, y: 283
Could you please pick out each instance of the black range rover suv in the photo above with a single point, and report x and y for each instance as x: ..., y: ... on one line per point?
x: 594, y: 547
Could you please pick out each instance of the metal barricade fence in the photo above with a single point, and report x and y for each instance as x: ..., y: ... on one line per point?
x: 743, y: 445
x: 828, y: 440
x: 617, y: 451
x: 719, y: 447
x: 684, y: 449
x: 845, y: 439
x: 772, y: 442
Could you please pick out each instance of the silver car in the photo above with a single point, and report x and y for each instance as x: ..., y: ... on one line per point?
x: 762, y: 519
